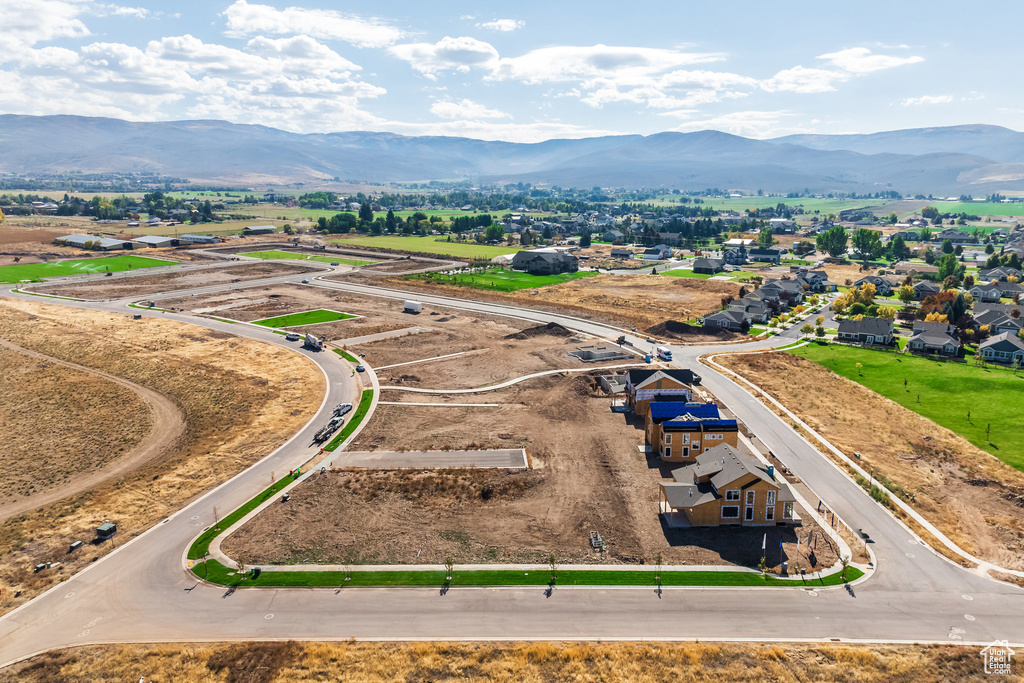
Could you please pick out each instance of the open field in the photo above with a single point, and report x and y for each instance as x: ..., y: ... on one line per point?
x: 735, y: 276
x: 213, y: 377
x: 501, y: 279
x: 112, y: 264
x: 427, y: 245
x: 973, y: 498
x: 304, y: 318
x: 540, y: 662
x: 981, y: 404
x: 809, y: 204
x: 275, y: 254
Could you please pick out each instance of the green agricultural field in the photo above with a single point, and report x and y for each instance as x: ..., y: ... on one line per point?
x: 429, y: 245
x: 36, y: 272
x: 980, y: 208
x: 319, y: 315
x: 809, y: 204
x: 272, y: 254
x: 947, y: 391
x: 501, y: 280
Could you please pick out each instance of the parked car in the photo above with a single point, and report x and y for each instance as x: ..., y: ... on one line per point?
x: 305, y: 282
x: 292, y: 336
x: 360, y: 368
x: 335, y: 263
x: 342, y: 408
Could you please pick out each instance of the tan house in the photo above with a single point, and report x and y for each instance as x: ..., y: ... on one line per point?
x: 646, y: 385
x: 679, y: 432
x: 727, y: 487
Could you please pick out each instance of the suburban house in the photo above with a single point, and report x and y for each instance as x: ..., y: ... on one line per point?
x: 622, y: 253
x: 754, y: 309
x: 707, y: 266
x: 765, y: 255
x: 612, y: 236
x: 1005, y: 347
x: 883, y: 286
x: 925, y: 289
x: 790, y: 291
x: 987, y: 291
x: 954, y: 236
x: 1010, y: 289
x: 908, y: 268
x: 866, y: 331
x: 679, y: 432
x: 660, y: 252
x: 729, y: 319
x: 735, y: 257
x: 1000, y: 273
x: 545, y: 262
x: 814, y: 280
x: 725, y: 486
x: 937, y: 338
x: 645, y: 385
x: 999, y: 317
x: 782, y: 226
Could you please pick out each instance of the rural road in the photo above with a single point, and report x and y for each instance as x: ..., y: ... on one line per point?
x: 142, y: 593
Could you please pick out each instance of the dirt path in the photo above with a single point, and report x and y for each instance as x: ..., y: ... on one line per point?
x: 168, y: 426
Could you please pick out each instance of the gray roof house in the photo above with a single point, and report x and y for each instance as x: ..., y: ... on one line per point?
x: 612, y: 235
x: 765, y: 255
x: 1000, y: 273
x: 986, y: 291
x: 728, y: 319
x: 999, y: 317
x: 924, y: 289
x: 1005, y: 347
x: 866, y: 331
x: 937, y: 338
x: 659, y: 252
x: 545, y: 262
x: 707, y: 266
x: 883, y: 285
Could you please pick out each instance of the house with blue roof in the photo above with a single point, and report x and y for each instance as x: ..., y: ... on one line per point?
x: 679, y: 431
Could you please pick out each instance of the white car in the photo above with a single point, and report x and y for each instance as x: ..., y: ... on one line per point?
x: 342, y: 408
x: 292, y: 336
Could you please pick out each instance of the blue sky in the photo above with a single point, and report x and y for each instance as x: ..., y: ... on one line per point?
x: 526, y: 72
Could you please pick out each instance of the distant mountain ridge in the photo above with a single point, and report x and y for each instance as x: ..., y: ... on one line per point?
x: 976, y: 159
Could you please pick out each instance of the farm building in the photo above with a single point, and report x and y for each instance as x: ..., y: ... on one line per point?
x: 154, y: 241
x: 258, y: 229
x: 199, y: 239
x: 99, y: 243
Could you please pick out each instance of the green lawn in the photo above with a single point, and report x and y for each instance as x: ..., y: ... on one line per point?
x: 350, y: 426
x: 430, y: 245
x: 37, y: 271
x: 347, y: 356
x: 319, y: 315
x: 947, y: 392
x: 501, y: 280
x: 218, y: 573
x: 736, y: 275
x: 272, y: 254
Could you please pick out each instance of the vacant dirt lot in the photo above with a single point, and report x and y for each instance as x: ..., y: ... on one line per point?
x: 541, y: 662
x: 59, y: 422
x: 975, y: 499
x: 241, y: 399
x: 143, y: 285
x: 587, y: 475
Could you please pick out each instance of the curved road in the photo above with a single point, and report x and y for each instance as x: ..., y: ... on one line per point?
x: 142, y: 592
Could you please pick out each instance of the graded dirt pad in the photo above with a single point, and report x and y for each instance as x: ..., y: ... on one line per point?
x: 587, y: 475
x: 538, y: 662
x: 626, y: 300
x: 59, y: 423
x: 692, y: 334
x: 972, y: 497
x: 216, y: 379
x: 143, y: 285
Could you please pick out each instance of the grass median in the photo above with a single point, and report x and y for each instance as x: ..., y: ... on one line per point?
x: 347, y: 356
x: 357, y: 417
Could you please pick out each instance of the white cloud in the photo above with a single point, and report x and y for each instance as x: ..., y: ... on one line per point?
x: 927, y: 99
x: 504, y: 25
x: 102, y: 10
x: 465, y: 110
x: 24, y: 23
x: 859, y: 60
x: 448, y: 54
x: 244, y: 19
x: 800, y: 79
x: 571, y: 63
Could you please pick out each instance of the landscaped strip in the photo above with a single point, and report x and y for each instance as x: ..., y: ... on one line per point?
x: 499, y: 279
x: 35, y: 272
x: 201, y: 546
x: 357, y: 417
x: 346, y: 355
x: 215, y: 572
x: 320, y: 315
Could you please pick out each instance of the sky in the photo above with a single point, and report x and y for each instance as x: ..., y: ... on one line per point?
x: 521, y: 72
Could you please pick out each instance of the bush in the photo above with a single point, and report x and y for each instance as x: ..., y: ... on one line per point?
x: 858, y: 309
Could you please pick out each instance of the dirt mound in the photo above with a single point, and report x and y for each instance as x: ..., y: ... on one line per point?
x: 674, y: 328
x: 551, y: 329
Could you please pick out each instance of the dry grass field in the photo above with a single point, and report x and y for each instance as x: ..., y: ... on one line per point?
x: 59, y: 423
x: 972, y: 497
x: 214, y: 378
x: 541, y: 662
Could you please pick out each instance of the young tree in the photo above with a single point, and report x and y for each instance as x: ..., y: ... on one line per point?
x: 833, y: 241
x: 867, y: 243
x: 807, y: 329
x: 819, y: 331
x: 947, y: 266
x: 764, y: 238
x: 906, y: 294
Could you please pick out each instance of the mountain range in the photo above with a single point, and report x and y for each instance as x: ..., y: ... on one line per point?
x: 974, y: 159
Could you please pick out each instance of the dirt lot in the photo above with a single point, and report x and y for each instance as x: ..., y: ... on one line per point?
x: 587, y: 474
x: 59, y: 422
x: 973, y: 498
x: 143, y: 285
x: 540, y: 662
x: 639, y: 301
x: 216, y: 379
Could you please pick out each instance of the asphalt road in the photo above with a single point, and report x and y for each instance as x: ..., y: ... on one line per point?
x: 143, y: 593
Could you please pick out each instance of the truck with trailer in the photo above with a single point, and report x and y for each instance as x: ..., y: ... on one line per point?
x: 413, y: 307
x: 328, y: 429
x: 314, y: 343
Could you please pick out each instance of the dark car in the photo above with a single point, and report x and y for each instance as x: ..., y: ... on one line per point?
x: 360, y: 368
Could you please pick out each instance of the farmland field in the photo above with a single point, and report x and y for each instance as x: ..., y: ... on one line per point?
x: 37, y: 271
x: 272, y: 254
x: 502, y: 280
x: 430, y: 245
x: 320, y: 315
x: 809, y: 204
x: 966, y: 399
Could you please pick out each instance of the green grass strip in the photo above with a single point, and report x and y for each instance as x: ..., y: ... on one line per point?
x: 217, y: 573
x: 147, y: 308
x: 320, y: 315
x: 201, y: 545
x: 347, y: 356
x: 364, y: 405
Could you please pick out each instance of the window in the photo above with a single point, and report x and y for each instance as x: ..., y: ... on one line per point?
x: 749, y: 514
x: 787, y: 511
x: 750, y: 497
x: 668, y: 438
x: 771, y: 497
x: 769, y: 513
x: 730, y: 512
x: 732, y: 495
